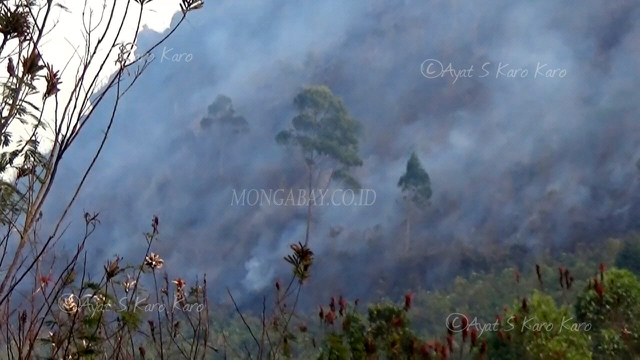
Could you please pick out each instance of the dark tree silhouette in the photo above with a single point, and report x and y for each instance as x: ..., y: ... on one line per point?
x: 416, y: 187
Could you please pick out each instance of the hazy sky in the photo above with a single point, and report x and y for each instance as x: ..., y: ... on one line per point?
x: 64, y: 40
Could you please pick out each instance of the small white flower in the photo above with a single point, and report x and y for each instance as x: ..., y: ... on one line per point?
x: 128, y: 284
x: 153, y: 261
x: 69, y: 304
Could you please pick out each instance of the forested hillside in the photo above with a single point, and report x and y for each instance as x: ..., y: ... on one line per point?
x: 383, y: 179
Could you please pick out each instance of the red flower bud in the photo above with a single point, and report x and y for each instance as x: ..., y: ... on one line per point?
x: 483, y: 348
x: 426, y: 353
x: 408, y: 299
x: 474, y: 337
x: 330, y: 317
x: 343, y: 305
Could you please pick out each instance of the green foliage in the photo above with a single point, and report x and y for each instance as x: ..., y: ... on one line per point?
x: 10, y: 202
x: 611, y: 306
x: 301, y: 260
x: 323, y: 130
x: 611, y: 345
x: 355, y: 331
x: 384, y: 333
x: 336, y: 349
x: 132, y: 318
x: 629, y: 256
x: 388, y: 331
x: 415, y: 182
x: 537, y: 328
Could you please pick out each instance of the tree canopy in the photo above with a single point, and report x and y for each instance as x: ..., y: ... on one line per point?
x: 222, y: 113
x: 415, y: 182
x: 325, y: 133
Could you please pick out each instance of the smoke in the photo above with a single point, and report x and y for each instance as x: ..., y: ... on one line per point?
x: 514, y: 160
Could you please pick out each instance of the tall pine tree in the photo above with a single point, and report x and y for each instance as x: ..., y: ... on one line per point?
x: 416, y: 188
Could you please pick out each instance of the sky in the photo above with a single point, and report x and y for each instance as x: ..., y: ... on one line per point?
x: 65, y: 38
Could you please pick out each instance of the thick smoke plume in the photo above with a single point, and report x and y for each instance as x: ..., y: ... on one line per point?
x: 532, y: 161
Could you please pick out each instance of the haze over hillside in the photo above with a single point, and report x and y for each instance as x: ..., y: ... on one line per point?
x: 514, y: 160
